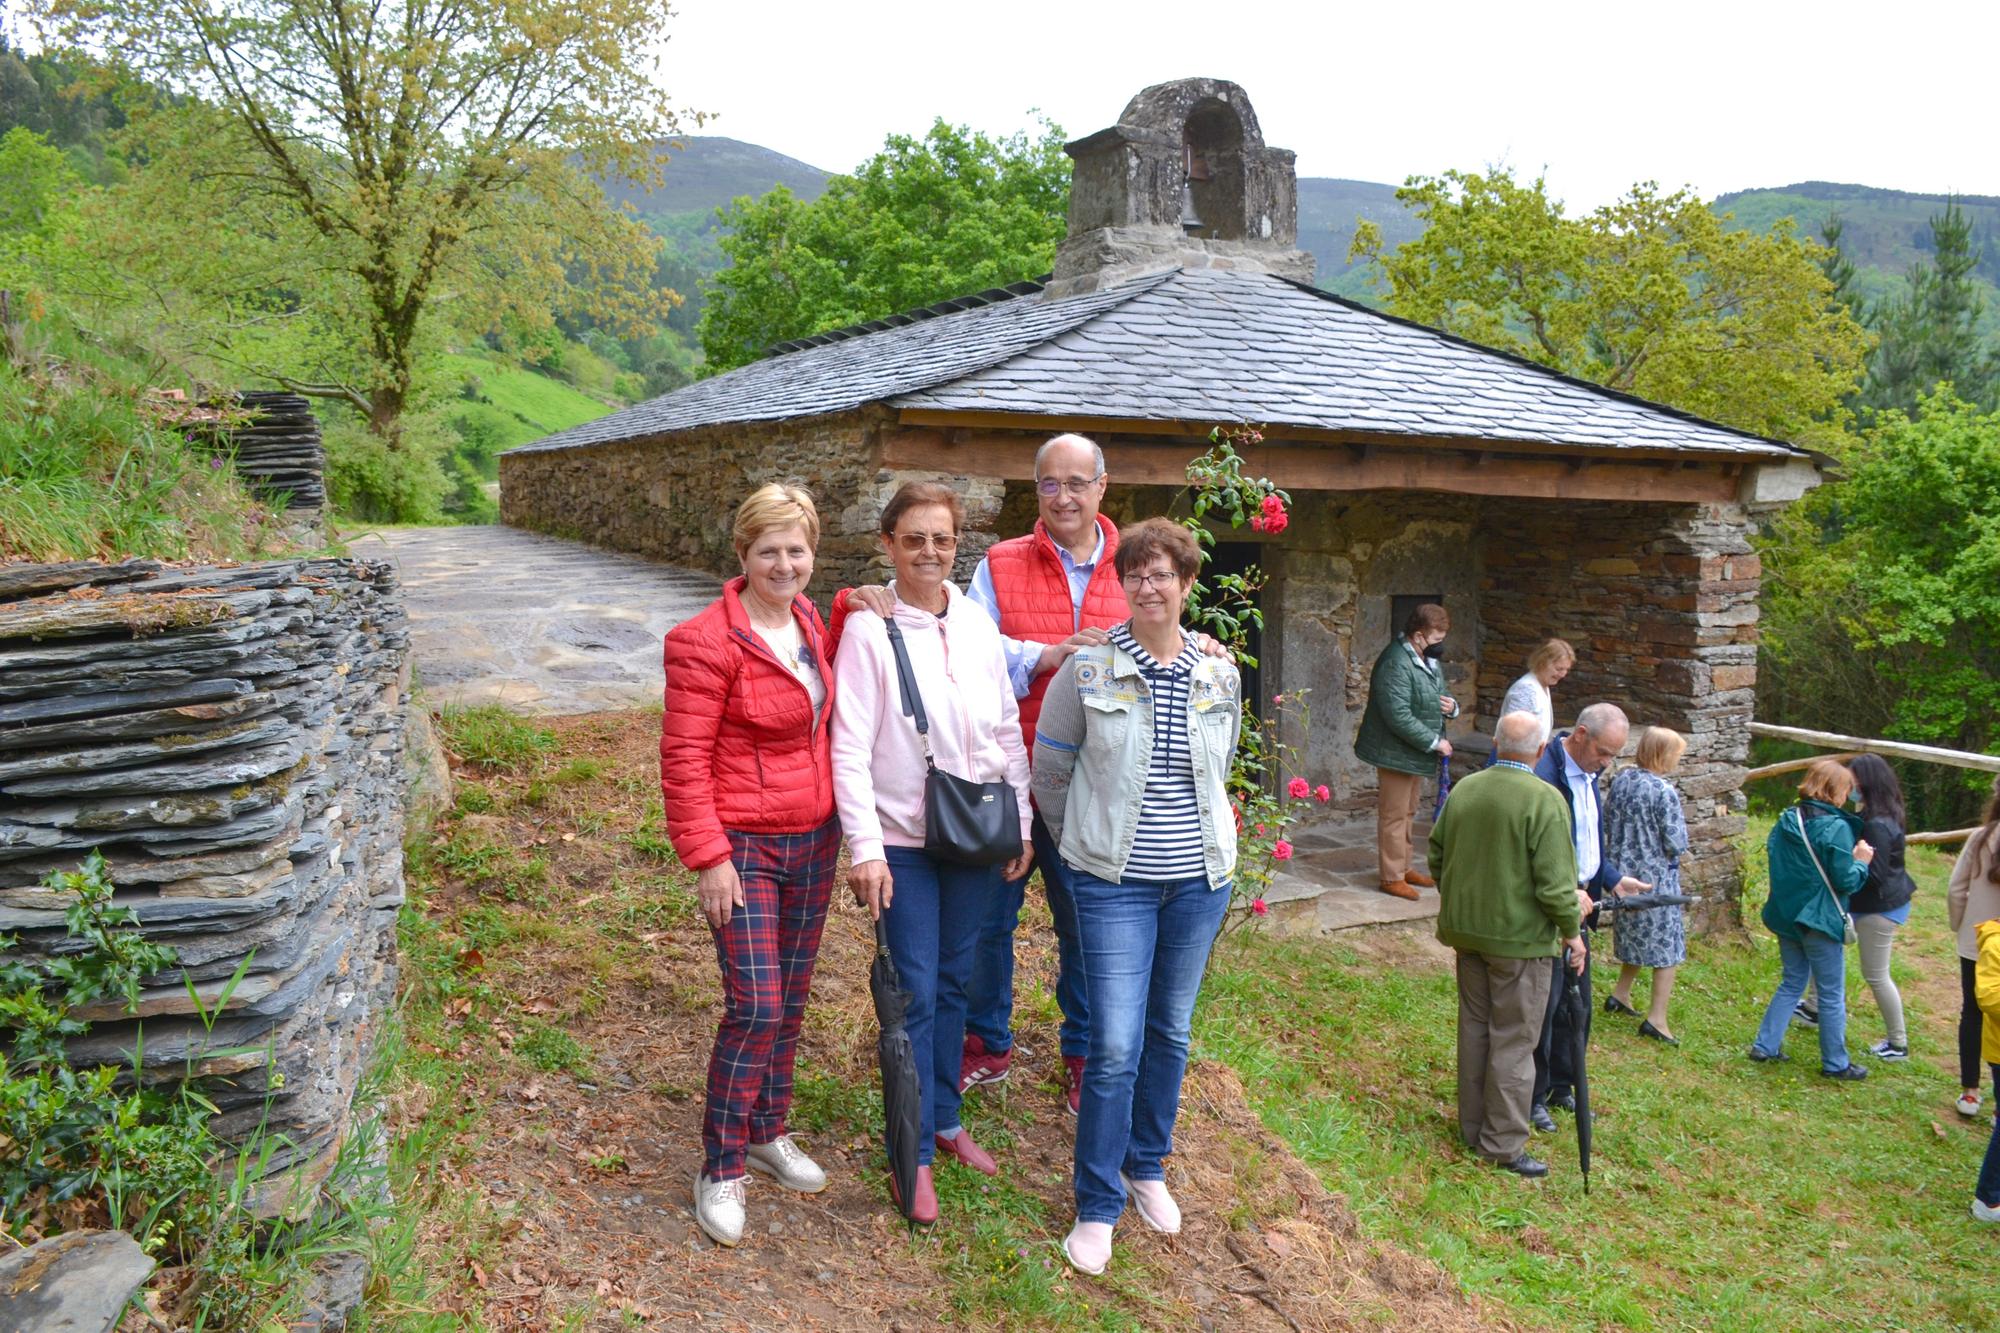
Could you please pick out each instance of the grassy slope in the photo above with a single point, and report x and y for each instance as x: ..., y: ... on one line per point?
x: 522, y: 404
x: 1726, y: 1195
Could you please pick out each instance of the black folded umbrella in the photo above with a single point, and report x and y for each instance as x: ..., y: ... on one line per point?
x: 902, y: 1095
x: 1579, y: 1014
x: 1639, y: 902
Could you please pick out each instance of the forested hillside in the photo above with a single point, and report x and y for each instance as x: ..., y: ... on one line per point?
x: 1883, y: 232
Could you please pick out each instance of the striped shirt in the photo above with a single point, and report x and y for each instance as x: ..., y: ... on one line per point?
x: 1167, y: 844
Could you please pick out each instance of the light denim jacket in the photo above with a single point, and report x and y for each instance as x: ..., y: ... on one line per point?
x: 1094, y: 750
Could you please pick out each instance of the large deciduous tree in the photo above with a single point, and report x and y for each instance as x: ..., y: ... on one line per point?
x: 388, y: 163
x: 1653, y: 295
x: 923, y: 220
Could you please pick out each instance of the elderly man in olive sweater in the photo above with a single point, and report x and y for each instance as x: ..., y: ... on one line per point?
x: 1506, y: 872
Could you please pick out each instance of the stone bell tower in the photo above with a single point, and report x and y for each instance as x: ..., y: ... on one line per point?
x: 1183, y: 180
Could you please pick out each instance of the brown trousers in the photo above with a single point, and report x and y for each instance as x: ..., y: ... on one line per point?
x: 1501, y: 1005
x: 1395, y: 813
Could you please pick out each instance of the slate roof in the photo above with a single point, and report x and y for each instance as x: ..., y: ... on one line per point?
x: 1200, y: 345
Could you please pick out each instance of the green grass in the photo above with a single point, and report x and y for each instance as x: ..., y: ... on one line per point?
x: 89, y: 471
x: 491, y: 735
x: 1725, y: 1195
x: 520, y: 405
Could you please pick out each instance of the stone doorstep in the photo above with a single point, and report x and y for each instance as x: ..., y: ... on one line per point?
x: 1322, y: 890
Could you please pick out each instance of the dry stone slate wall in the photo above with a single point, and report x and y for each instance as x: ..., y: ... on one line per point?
x: 232, y: 740
x: 674, y: 497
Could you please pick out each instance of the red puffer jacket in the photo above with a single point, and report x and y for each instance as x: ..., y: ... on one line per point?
x: 740, y: 745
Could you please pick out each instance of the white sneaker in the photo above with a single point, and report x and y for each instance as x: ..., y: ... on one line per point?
x: 785, y: 1162
x: 1889, y: 1050
x: 719, y: 1208
x: 1981, y: 1213
x: 1088, y: 1247
x: 1156, y: 1205
x: 1968, y: 1104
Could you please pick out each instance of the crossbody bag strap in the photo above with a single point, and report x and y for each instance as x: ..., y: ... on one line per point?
x: 913, y: 702
x: 1806, y: 838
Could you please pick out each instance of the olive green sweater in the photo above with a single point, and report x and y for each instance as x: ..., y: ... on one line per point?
x: 1505, y: 866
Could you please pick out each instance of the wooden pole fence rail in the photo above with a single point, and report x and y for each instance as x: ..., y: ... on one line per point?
x: 1853, y: 745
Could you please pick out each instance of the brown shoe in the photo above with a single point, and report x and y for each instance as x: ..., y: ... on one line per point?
x: 1397, y: 888
x: 1420, y: 879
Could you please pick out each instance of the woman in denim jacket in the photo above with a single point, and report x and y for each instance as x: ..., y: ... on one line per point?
x: 1132, y: 758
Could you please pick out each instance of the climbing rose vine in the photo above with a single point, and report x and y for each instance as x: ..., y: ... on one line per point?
x: 1267, y: 792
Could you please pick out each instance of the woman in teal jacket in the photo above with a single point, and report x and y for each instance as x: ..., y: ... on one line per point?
x: 1818, y: 859
x: 1402, y: 734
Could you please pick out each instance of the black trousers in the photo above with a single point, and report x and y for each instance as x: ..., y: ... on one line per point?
x: 1555, y: 1055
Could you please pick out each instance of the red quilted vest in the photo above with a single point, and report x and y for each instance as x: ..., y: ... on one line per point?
x: 1033, y: 592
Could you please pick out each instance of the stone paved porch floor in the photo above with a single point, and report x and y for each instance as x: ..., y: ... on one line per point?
x: 1332, y: 884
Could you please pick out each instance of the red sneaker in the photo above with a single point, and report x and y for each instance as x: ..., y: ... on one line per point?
x: 1073, y: 1083
x: 977, y: 1065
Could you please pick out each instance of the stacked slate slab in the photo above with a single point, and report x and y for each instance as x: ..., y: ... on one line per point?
x: 231, y: 739
x: 278, y: 449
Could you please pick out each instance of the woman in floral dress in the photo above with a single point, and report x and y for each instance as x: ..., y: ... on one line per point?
x: 1645, y: 833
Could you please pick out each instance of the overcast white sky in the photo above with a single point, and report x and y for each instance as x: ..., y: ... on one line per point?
x: 1718, y: 96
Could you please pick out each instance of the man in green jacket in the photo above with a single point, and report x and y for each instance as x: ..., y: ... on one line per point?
x: 1506, y: 870
x: 1402, y: 734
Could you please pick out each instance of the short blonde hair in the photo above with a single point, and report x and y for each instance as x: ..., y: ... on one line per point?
x: 775, y: 508
x: 1551, y: 652
x: 1660, y: 750
x: 1827, y: 780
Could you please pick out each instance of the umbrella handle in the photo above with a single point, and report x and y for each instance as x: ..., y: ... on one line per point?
x: 882, y: 935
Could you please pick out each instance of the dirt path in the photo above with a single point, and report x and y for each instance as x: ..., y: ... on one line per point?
x: 571, y: 979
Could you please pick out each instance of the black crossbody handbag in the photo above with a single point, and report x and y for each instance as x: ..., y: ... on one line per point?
x: 965, y: 823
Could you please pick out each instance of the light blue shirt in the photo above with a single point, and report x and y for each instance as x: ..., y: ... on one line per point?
x: 1583, y: 790
x: 1023, y: 654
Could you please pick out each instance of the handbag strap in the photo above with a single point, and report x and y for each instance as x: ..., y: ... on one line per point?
x: 913, y: 702
x: 1806, y: 838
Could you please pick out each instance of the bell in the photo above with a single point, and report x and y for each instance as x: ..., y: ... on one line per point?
x: 1191, y: 223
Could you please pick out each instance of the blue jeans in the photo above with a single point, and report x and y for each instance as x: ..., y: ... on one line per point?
x: 1145, y: 946
x: 935, y: 911
x: 1987, y: 1191
x: 1824, y: 959
x: 989, y: 1012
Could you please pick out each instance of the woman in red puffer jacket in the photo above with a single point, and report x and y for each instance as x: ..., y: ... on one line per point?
x: 746, y: 778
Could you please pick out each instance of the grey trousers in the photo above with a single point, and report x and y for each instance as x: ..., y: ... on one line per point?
x: 1501, y: 1005
x: 1877, y: 934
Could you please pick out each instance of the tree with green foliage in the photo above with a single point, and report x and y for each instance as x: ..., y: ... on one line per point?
x: 381, y: 170
x: 923, y: 220
x: 1930, y: 334
x: 1652, y: 295
x: 1882, y: 592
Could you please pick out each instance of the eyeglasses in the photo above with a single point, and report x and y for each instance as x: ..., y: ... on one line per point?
x: 1160, y: 580
x: 1052, y: 486
x: 938, y: 541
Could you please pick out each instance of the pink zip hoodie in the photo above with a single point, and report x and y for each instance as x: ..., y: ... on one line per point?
x: 878, y: 762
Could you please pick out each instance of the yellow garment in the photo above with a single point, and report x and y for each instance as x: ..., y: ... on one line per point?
x: 1986, y: 989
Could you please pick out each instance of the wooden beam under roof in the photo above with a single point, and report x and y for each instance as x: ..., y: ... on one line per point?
x: 1162, y: 461
x: 1184, y: 430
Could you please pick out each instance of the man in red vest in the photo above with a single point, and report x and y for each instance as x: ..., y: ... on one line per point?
x: 1051, y: 592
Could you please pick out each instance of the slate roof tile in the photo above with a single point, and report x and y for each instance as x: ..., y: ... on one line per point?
x: 1203, y: 345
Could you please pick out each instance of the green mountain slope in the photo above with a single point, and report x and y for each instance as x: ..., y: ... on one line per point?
x: 704, y: 172
x: 1883, y: 232
x: 1328, y: 210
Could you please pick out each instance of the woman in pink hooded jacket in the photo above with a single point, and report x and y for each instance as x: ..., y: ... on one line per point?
x: 932, y: 909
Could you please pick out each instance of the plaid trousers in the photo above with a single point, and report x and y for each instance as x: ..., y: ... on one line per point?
x: 766, y: 953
